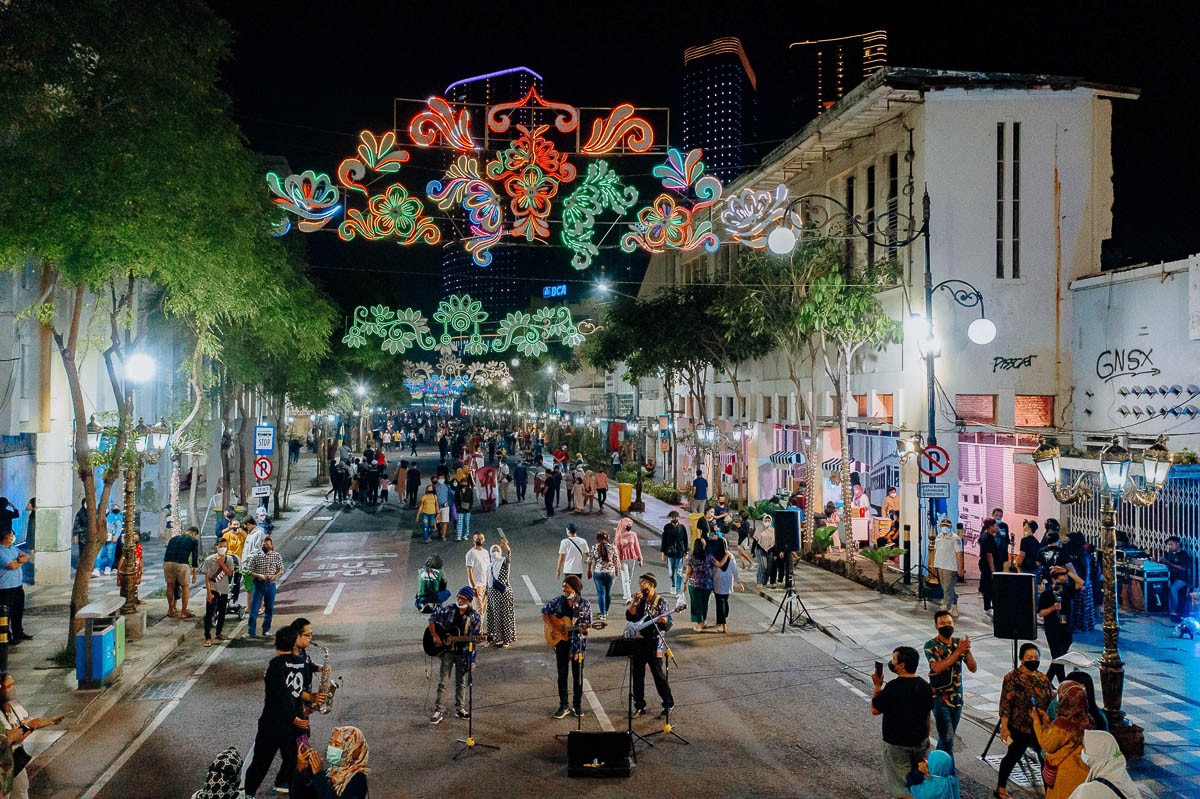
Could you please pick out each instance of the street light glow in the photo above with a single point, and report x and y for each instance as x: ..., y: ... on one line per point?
x: 139, y: 367
x: 781, y: 241
x: 550, y: 369
x: 603, y: 287
x: 360, y: 390
x: 982, y: 331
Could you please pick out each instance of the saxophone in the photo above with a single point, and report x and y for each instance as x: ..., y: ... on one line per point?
x: 328, y: 685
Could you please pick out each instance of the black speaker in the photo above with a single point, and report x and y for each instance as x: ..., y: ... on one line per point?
x: 1014, y: 606
x: 598, y: 754
x: 787, y: 529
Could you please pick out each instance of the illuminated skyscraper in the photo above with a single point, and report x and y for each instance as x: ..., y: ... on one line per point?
x: 720, y: 106
x: 495, y: 285
x: 824, y: 70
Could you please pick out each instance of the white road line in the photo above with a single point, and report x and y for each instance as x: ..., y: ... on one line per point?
x: 853, y: 689
x: 337, y: 592
x: 594, y: 701
x: 533, y: 591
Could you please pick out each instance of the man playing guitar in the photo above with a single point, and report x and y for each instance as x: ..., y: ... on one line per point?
x: 567, y: 619
x: 451, y: 622
x: 648, y: 604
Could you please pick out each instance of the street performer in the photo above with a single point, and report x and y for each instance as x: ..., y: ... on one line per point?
x: 457, y: 619
x: 568, y: 618
x: 648, y: 604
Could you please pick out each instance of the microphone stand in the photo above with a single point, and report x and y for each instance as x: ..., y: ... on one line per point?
x: 668, y: 656
x: 469, y: 743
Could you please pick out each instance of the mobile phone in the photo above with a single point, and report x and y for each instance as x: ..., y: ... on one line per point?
x: 1033, y: 701
x: 503, y: 537
x: 878, y: 668
x: 302, y: 743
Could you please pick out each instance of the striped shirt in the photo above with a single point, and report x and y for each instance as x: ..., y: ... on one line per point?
x: 268, y: 563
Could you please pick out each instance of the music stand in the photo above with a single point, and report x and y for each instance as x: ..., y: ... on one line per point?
x: 629, y: 648
x: 667, y: 658
x: 791, y: 607
x: 469, y: 743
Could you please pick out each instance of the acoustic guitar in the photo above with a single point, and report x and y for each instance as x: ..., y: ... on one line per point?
x: 433, y: 650
x: 558, y: 629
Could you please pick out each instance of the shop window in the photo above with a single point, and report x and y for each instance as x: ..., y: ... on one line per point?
x: 975, y: 408
x: 1034, y: 410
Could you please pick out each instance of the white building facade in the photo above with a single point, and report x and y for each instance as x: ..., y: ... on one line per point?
x: 1018, y: 172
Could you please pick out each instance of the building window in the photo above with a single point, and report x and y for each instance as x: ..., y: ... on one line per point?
x: 1008, y: 200
x: 883, y: 407
x: 729, y: 407
x: 850, y: 240
x: 1036, y: 410
x: 781, y: 405
x: 766, y: 402
x: 742, y: 409
x: 975, y: 408
x: 893, y: 200
x: 869, y: 213
x: 860, y: 406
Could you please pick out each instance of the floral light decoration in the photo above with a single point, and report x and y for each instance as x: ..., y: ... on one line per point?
x: 601, y: 188
x: 310, y: 196
x: 392, y: 214
x: 461, y: 320
x: 750, y: 214
x: 670, y: 222
x: 451, y: 377
x: 463, y: 185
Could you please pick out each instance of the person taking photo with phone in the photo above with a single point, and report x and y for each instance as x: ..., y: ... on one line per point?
x: 905, y: 704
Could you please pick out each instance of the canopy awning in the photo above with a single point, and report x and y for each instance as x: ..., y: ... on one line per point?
x: 835, y: 465
x: 785, y: 458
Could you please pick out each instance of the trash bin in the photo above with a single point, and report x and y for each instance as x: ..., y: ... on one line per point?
x: 624, y: 496
x: 693, y: 529
x: 100, y: 645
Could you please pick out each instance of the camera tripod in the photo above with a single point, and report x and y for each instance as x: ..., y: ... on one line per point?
x: 791, y: 607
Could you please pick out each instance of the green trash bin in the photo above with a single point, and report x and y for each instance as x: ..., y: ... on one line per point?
x: 624, y: 496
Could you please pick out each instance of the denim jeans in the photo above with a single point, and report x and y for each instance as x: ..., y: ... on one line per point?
x: 604, y: 583
x: 946, y: 718
x: 427, y: 522
x: 948, y: 579
x: 675, y: 570
x: 1179, y: 599
x: 107, y: 557
x: 463, y: 530
x: 263, y: 594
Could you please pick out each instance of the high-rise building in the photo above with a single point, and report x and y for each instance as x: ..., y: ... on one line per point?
x: 495, y: 285
x: 824, y: 70
x: 720, y: 106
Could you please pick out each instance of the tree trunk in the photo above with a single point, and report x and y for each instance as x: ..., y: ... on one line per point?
x: 281, y: 454
x: 740, y: 474
x: 843, y: 385
x: 243, y: 486
x: 175, y: 519
x: 227, y: 406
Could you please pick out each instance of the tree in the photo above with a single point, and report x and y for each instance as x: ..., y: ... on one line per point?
x: 846, y: 316
x: 123, y: 173
x: 775, y: 293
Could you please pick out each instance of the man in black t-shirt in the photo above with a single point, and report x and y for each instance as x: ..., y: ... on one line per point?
x: 1054, y: 606
x: 905, y: 704
x: 1029, y: 548
x: 282, y: 720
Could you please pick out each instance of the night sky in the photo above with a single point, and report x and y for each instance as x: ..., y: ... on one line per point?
x: 306, y: 77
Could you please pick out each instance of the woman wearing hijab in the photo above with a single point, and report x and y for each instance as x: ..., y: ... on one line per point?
x: 1108, y: 777
x: 346, y: 776
x: 589, y: 491
x: 224, y: 778
x: 629, y: 552
x: 577, y: 490
x: 1095, y: 715
x: 938, y: 780
x: 603, y: 565
x: 1062, y: 741
x: 501, y: 616
x: 764, y: 542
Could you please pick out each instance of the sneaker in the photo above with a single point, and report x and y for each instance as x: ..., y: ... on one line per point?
x: 666, y: 714
x: 462, y: 714
x: 95, y: 572
x: 639, y: 712
x: 629, y: 601
x: 562, y: 712
x: 954, y: 612
x: 282, y: 789
x: 576, y: 712
x: 437, y: 717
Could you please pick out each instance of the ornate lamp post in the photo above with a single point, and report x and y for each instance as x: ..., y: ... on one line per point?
x: 1114, y: 487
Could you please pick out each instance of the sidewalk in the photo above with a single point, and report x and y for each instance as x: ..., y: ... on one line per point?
x: 1162, y: 678
x: 47, y: 689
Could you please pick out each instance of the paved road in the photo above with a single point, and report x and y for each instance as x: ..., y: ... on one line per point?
x: 765, y: 714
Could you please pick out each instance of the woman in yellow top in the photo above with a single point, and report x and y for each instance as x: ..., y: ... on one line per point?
x: 427, y: 512
x: 1062, y: 741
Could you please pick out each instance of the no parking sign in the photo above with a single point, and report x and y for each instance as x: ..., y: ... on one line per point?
x: 934, y: 461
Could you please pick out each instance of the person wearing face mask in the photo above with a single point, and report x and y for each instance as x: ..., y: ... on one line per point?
x: 674, y: 548
x: 1024, y: 688
x: 477, y: 562
x: 1108, y: 774
x: 905, y: 704
x: 442, y: 491
x: 346, y: 775
x: 501, y: 604
x: 265, y: 568
x: 218, y: 569
x: 574, y: 612
x: 1054, y: 606
x: 946, y: 655
x: 457, y: 619
x: 464, y: 500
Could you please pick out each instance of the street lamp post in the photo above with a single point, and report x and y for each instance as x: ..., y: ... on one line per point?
x: 1114, y: 487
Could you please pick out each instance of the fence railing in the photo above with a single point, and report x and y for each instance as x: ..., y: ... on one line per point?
x: 1175, y: 512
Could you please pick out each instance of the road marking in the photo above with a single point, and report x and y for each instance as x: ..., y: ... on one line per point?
x: 322, y: 518
x: 532, y: 590
x: 601, y: 716
x: 853, y: 689
x: 337, y: 592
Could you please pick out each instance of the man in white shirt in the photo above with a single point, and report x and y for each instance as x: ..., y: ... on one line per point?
x: 948, y: 561
x: 477, y: 569
x: 572, y: 555
x: 502, y: 481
